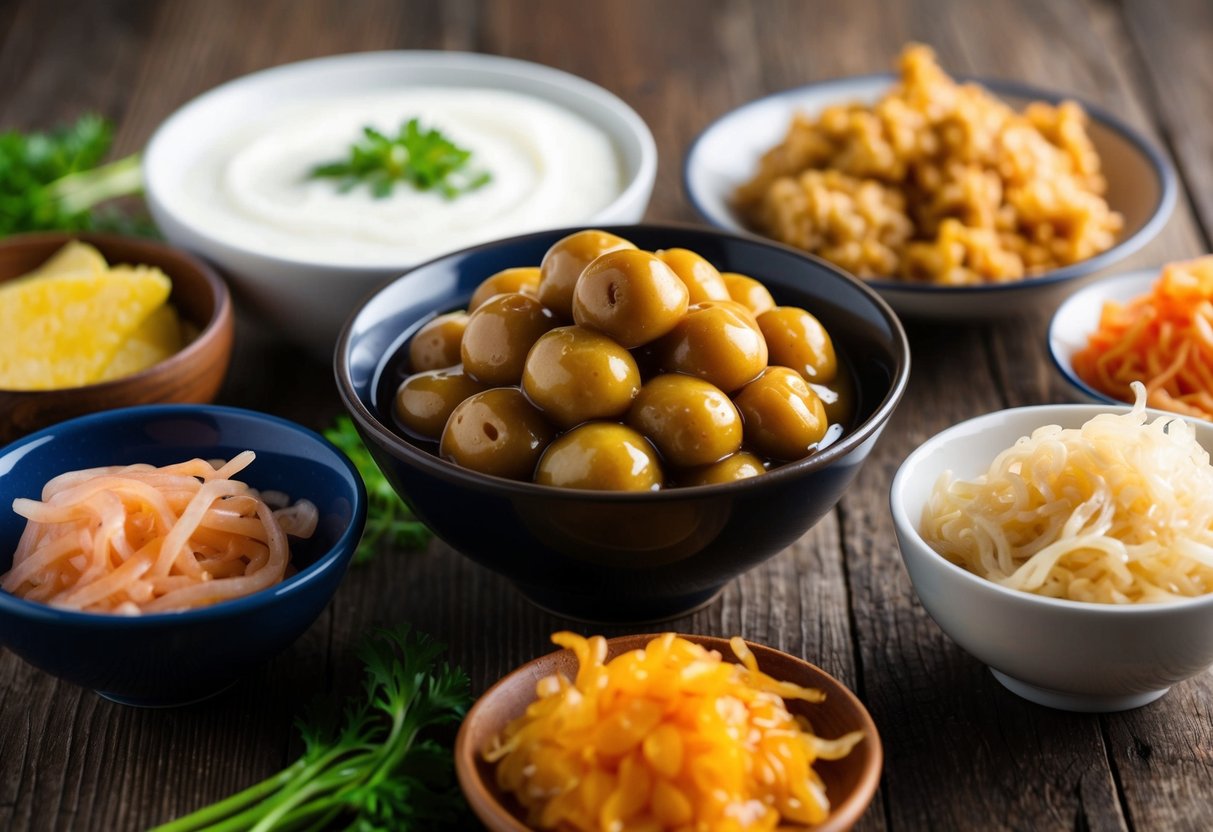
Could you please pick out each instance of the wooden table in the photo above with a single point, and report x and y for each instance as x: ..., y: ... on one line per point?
x: 961, y: 752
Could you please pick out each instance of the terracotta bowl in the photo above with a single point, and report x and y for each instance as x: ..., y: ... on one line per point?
x: 192, y: 375
x: 850, y: 782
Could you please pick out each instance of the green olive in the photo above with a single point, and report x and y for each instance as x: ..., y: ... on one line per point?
x: 496, y: 432
x: 718, y: 341
x: 424, y: 401
x: 739, y: 466
x: 798, y: 340
x: 748, y: 292
x: 575, y: 375
x: 631, y: 296
x: 702, y: 280
x: 499, y: 335
x: 601, y: 456
x: 784, y: 418
x: 436, y: 345
x: 524, y: 279
x: 564, y: 262
x: 691, y: 422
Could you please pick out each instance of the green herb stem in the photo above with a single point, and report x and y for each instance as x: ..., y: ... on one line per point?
x: 79, y: 192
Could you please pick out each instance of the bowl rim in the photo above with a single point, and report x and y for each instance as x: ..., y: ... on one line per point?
x: 453, y: 473
x: 1158, y: 162
x: 844, y: 814
x: 221, y: 314
x: 502, y: 67
x: 1146, y: 275
x: 338, y: 555
x: 907, y: 530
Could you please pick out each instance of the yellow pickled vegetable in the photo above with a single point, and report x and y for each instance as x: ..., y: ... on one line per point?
x: 670, y: 737
x: 73, y: 257
x: 157, y: 338
x: 76, y: 320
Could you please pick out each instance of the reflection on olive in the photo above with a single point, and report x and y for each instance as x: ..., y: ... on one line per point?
x: 631, y: 296
x: 739, y: 466
x: 564, y: 262
x: 798, y: 340
x: 748, y: 292
x: 498, y: 336
x: 690, y: 421
x: 702, y: 280
x: 524, y: 279
x: 838, y: 398
x: 496, y: 432
x: 600, y: 456
x: 783, y: 417
x: 424, y: 401
x: 436, y: 345
x: 575, y: 375
x: 718, y: 341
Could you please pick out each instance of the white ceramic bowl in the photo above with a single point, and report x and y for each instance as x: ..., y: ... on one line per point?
x: 1064, y: 654
x: 1078, y: 317
x: 310, y: 300
x: 1141, y: 185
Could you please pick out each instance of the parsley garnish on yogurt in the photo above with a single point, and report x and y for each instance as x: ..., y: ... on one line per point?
x: 422, y: 158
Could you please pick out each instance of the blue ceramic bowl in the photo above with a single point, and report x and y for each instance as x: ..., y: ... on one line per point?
x: 174, y: 658
x: 610, y: 556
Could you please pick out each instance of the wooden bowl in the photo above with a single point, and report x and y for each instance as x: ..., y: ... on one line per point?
x: 850, y: 782
x: 192, y: 375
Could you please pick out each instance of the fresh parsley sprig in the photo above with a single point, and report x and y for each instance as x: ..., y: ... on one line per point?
x: 374, y: 769
x: 55, y: 180
x: 425, y: 159
x: 387, y: 517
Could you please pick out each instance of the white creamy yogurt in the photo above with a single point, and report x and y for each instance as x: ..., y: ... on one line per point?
x: 549, y: 168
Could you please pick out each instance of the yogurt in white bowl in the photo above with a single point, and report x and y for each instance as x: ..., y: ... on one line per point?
x: 228, y: 175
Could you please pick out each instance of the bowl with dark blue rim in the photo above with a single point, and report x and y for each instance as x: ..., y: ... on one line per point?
x: 610, y: 556
x: 1142, y: 186
x: 174, y: 658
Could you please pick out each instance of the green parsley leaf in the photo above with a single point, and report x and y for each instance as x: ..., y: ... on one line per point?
x: 376, y: 769
x: 54, y: 180
x: 388, y: 518
x: 425, y: 159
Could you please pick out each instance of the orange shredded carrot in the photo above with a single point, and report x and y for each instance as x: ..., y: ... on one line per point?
x: 668, y: 737
x: 1163, y: 339
x: 136, y: 538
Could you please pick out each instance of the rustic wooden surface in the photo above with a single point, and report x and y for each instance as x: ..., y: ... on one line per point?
x: 961, y: 751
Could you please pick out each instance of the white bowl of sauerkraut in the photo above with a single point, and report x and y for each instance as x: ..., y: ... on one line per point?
x: 1068, y: 547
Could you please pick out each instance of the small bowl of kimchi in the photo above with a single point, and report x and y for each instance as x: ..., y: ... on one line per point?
x: 1153, y: 325
x: 157, y: 554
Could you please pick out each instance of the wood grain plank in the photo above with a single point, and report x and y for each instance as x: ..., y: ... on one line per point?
x: 1171, y: 47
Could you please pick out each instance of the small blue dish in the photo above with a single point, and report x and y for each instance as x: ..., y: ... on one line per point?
x: 166, y: 659
x: 1142, y: 186
x: 621, y: 556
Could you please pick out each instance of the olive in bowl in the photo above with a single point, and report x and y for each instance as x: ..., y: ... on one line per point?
x: 624, y: 555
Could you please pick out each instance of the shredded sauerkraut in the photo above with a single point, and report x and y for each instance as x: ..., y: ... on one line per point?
x: 1118, y: 511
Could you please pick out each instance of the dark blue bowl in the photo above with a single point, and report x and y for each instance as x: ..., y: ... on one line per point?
x: 608, y: 556
x: 174, y: 658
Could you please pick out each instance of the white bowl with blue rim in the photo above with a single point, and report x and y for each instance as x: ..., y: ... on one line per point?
x: 1078, y: 317
x: 1141, y: 186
